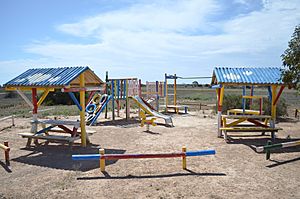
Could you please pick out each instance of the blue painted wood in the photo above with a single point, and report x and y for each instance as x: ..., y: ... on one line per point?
x: 75, y: 100
x: 243, y: 99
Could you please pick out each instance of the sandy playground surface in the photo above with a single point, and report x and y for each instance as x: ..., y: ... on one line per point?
x: 236, y: 171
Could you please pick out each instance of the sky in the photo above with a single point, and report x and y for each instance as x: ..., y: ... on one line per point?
x: 144, y: 38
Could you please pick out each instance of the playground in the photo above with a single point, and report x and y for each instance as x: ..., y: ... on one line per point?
x: 114, y: 156
x: 236, y: 170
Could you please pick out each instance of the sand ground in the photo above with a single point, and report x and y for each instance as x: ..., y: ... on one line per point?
x: 236, y: 171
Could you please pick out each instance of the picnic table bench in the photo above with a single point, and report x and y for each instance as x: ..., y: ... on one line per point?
x: 59, y: 126
x: 255, y: 123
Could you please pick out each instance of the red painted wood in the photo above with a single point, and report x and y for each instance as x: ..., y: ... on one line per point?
x: 278, y: 95
x: 257, y: 123
x: 34, y: 100
x: 138, y: 156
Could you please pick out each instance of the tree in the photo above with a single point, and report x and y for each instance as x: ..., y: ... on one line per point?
x: 291, y: 61
x: 195, y: 84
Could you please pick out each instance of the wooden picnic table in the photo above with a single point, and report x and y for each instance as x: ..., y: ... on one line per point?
x: 247, y: 123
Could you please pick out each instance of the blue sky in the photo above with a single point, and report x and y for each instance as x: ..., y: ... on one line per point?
x: 142, y: 38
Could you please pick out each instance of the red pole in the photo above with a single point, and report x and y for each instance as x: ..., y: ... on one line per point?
x: 34, y: 101
x: 137, y: 156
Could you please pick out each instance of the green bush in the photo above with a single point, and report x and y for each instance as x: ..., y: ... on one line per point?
x: 59, y: 98
x: 231, y: 101
x: 11, y: 94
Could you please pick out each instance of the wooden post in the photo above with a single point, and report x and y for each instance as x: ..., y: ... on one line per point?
x: 113, y: 99
x: 6, y: 153
x: 102, y: 160
x: 107, y: 92
x: 34, y: 111
x: 273, y: 106
x: 157, y: 96
x: 166, y: 92
x: 243, y: 99
x: 175, y: 94
x: 220, y: 92
x: 127, y: 101
x: 82, y: 112
x: 183, y: 158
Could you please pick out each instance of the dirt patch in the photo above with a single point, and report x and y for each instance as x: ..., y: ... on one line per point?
x: 236, y: 171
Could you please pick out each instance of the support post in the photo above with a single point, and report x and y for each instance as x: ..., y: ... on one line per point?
x: 166, y: 92
x: 113, y: 99
x: 43, y: 97
x: 102, y: 160
x: 273, y: 106
x: 184, y: 158
x: 127, y: 102
x: 157, y: 96
x: 175, y: 94
x: 82, y: 112
x: 243, y: 99
x: 220, y: 93
x: 34, y: 111
x: 6, y: 153
x: 107, y: 92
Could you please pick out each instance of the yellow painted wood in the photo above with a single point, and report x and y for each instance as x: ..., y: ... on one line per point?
x: 184, y: 158
x: 273, y: 107
x: 28, y: 88
x: 5, y: 148
x: 222, y: 95
x: 43, y: 97
x: 102, y: 161
x: 249, y: 112
x: 224, y: 122
x: 82, y: 112
x: 252, y: 97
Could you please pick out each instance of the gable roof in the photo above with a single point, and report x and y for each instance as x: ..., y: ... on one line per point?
x: 55, y: 77
x: 243, y: 76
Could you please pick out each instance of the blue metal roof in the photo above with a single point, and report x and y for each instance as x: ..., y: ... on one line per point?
x: 47, y: 77
x: 265, y: 76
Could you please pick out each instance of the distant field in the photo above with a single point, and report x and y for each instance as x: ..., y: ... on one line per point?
x: 197, y: 96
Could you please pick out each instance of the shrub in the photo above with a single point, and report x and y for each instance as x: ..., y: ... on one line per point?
x: 231, y: 101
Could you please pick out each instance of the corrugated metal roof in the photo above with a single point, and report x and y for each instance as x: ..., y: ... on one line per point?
x: 264, y: 76
x: 50, y: 77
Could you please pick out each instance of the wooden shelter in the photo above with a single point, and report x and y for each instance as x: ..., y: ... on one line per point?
x: 68, y: 79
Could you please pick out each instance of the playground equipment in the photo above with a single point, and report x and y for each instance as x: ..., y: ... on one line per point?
x: 271, y: 146
x: 147, y: 108
x: 102, y: 156
x: 146, y: 121
x: 175, y: 105
x: 6, y: 149
x: 154, y: 91
x: 68, y: 79
x: 265, y: 77
x: 117, y: 90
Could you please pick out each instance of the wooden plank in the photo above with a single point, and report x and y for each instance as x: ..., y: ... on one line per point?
x: 49, y: 137
x: 240, y: 111
x: 59, y: 130
x: 247, y: 116
x: 59, y: 122
x: 250, y: 129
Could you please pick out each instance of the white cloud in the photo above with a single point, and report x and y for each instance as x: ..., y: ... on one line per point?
x: 159, y: 16
x: 146, y: 40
